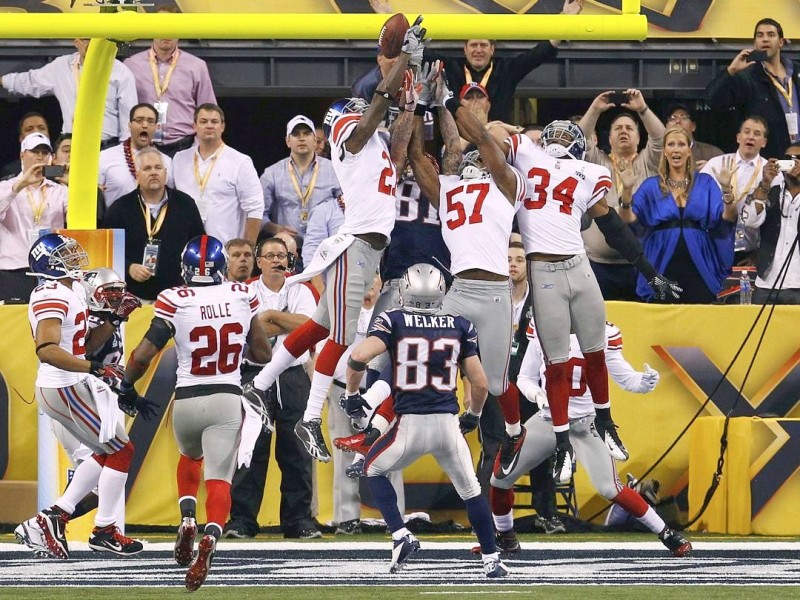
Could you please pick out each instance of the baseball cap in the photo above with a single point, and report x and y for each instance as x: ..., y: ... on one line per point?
x: 299, y: 120
x: 676, y: 106
x: 473, y: 86
x: 34, y: 140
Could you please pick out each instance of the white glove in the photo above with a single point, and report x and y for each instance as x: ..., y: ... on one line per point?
x: 538, y: 396
x: 414, y: 43
x: 424, y: 81
x: 649, y: 380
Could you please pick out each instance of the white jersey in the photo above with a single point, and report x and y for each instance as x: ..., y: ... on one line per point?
x: 368, y: 180
x: 297, y: 299
x: 210, y: 325
x: 559, y: 192
x: 580, y: 398
x: 476, y: 221
x: 54, y: 300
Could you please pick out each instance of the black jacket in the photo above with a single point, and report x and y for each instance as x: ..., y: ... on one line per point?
x: 751, y: 92
x: 181, y: 223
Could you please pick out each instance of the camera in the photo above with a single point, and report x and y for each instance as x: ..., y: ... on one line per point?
x: 757, y: 55
x: 785, y: 165
x: 617, y: 98
x: 53, y: 171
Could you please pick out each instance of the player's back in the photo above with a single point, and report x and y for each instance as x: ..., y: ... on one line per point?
x: 54, y: 300
x: 211, y: 325
x: 560, y: 190
x: 426, y: 351
x: 368, y: 180
x: 476, y: 222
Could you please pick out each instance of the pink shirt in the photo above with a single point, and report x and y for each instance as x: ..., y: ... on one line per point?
x: 17, y: 219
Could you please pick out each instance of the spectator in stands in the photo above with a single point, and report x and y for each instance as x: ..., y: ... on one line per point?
x: 62, y: 151
x: 295, y: 185
x: 176, y: 83
x: 686, y: 223
x: 323, y: 223
x: 321, y: 146
x: 223, y: 181
x: 770, y: 88
x: 681, y: 115
x: 241, y: 260
x: 117, y: 172
x: 29, y: 123
x: 778, y: 217
x: 747, y: 176
x: 28, y: 204
x: 60, y: 78
x: 616, y: 276
x: 158, y: 221
x: 283, y: 309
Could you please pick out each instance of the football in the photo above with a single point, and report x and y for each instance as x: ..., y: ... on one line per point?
x: 390, y: 40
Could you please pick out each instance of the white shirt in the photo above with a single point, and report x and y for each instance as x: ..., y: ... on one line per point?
x: 116, y: 178
x: 790, y: 214
x: 232, y: 193
x: 476, y: 221
x: 60, y: 78
x: 559, y: 192
x: 296, y: 299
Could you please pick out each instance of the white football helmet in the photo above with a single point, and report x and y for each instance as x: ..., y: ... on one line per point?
x: 104, y: 289
x: 422, y: 289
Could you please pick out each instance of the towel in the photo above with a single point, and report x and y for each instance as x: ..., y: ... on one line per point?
x: 327, y: 252
x: 251, y: 429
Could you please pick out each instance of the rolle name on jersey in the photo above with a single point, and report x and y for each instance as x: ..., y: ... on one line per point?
x: 215, y: 311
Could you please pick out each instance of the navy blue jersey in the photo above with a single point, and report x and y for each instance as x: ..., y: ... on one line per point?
x: 417, y: 235
x: 425, y: 352
x: 111, y: 351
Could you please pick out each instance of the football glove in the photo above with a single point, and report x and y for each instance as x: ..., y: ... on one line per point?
x: 111, y: 374
x: 649, y: 380
x: 354, y: 405
x: 424, y: 82
x: 127, y: 305
x: 468, y: 421
x: 664, y: 288
x: 131, y: 403
x: 414, y: 43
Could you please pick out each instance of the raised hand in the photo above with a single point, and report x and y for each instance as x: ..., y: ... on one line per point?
x: 725, y: 174
x: 626, y: 173
x: 415, y: 42
x: 635, y: 101
x: 409, y: 92
x: 649, y: 379
x: 424, y: 81
x: 740, y: 61
x: 127, y: 305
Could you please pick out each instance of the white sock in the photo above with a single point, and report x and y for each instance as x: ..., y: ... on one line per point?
x: 513, y: 429
x: 652, y: 521
x: 320, y: 384
x: 504, y: 522
x: 281, y: 361
x: 380, y: 423
x: 400, y: 533
x: 84, y: 480
x: 376, y: 394
x: 111, y: 487
x: 492, y: 556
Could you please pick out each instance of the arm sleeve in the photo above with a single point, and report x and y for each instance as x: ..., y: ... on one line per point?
x: 267, y: 182
x: 316, y: 230
x: 619, y: 369
x: 528, y: 380
x: 522, y: 64
x: 248, y: 189
x: 621, y: 239
x: 36, y: 82
x: 724, y: 89
x: 204, y: 90
x: 127, y: 98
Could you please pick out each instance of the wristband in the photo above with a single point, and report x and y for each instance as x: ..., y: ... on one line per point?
x: 125, y: 386
x: 95, y: 368
x: 644, y: 110
x: 452, y: 105
x: 356, y: 365
x: 763, y: 188
x: 474, y: 414
x: 727, y: 201
x: 625, y: 205
x: 385, y: 95
x: 420, y: 109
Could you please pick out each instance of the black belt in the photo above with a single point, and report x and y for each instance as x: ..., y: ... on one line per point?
x: 193, y: 391
x: 677, y: 224
x: 109, y: 143
x: 181, y: 144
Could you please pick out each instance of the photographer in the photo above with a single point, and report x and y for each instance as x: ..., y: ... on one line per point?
x: 158, y: 221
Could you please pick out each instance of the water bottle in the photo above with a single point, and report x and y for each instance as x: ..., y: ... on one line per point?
x: 745, y: 288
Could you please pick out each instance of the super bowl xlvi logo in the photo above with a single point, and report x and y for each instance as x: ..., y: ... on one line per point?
x: 775, y: 399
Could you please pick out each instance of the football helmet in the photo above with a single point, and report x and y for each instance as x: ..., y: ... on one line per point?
x: 104, y: 289
x: 471, y: 166
x: 54, y: 256
x: 340, y: 107
x: 564, y: 139
x: 204, y: 261
x: 422, y: 289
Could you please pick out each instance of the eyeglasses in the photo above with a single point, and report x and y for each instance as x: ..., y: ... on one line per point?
x: 678, y: 118
x: 273, y: 256
x: 142, y: 120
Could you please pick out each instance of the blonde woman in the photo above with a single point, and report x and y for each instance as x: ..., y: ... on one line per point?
x: 686, y: 223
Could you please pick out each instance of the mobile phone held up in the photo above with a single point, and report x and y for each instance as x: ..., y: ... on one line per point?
x: 53, y: 171
x: 757, y: 55
x: 618, y: 98
x: 785, y: 165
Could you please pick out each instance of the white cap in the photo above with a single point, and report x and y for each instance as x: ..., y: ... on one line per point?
x: 299, y: 120
x: 34, y: 140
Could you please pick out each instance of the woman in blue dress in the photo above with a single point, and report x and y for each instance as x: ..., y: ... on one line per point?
x: 685, y: 222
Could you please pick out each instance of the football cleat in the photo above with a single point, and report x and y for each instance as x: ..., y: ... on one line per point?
x: 677, y: 544
x: 356, y: 469
x: 607, y: 430
x: 402, y: 550
x: 509, y: 454
x: 197, y: 573
x: 310, y: 433
x: 360, y: 442
x: 184, y: 543
x: 507, y: 542
x: 111, y: 539
x: 351, y: 527
x: 53, y: 524
x: 494, y: 568
x: 564, y: 464
x: 549, y: 526
x: 29, y: 533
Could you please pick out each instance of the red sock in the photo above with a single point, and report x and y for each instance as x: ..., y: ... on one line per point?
x: 188, y: 476
x: 509, y: 404
x: 631, y: 501
x: 304, y: 337
x: 597, y: 377
x: 386, y: 409
x: 121, y: 459
x: 558, y: 385
x: 329, y: 357
x: 501, y: 501
x: 218, y: 501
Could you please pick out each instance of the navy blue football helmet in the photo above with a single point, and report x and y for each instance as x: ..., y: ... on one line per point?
x: 54, y: 256
x: 204, y: 261
x: 564, y: 139
x: 340, y: 107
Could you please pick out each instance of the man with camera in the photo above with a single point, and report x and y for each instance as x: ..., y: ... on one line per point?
x: 29, y: 203
x: 158, y: 222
